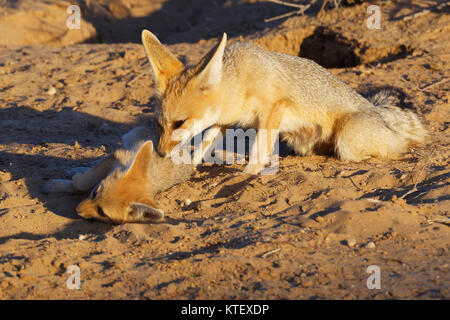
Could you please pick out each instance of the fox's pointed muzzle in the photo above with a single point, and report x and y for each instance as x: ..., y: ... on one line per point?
x: 161, y: 153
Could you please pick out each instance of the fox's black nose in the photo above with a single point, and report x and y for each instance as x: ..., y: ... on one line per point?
x: 161, y: 153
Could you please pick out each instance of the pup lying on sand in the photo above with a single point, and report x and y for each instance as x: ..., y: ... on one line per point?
x: 123, y: 185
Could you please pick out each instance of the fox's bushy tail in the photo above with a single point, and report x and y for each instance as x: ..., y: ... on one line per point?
x: 380, y: 130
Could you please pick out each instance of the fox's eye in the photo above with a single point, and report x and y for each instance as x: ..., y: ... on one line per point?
x: 178, y: 124
x: 101, y: 212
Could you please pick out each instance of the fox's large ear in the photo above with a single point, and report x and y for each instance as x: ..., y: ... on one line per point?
x: 139, y: 166
x: 210, y: 67
x: 145, y: 213
x: 163, y: 63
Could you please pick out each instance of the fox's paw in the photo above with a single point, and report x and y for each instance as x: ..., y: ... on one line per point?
x: 77, y: 170
x: 59, y: 185
x: 253, y: 168
x: 83, y: 182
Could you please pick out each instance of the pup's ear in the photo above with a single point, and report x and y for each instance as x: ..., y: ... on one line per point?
x: 210, y: 68
x: 139, y: 166
x: 145, y: 213
x: 163, y: 63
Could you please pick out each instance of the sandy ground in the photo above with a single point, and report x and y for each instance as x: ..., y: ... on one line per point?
x: 310, y: 231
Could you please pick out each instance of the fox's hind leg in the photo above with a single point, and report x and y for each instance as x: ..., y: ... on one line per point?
x: 59, y: 185
x: 82, y: 181
x: 304, y: 140
x: 266, y: 137
x: 87, y: 180
x: 297, y: 142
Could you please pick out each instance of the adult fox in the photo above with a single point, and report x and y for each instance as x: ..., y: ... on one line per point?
x: 248, y: 86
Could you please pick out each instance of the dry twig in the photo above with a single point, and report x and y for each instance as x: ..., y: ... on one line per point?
x: 428, y: 86
x: 426, y: 11
x: 323, y: 7
x: 301, y: 9
x: 414, y: 189
x: 270, y: 252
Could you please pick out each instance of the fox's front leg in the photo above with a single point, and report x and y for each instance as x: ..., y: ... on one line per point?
x: 266, y: 137
x: 215, y: 132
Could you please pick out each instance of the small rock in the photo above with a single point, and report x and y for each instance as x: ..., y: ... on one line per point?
x: 171, y: 288
x: 81, y: 237
x: 51, y: 91
x: 370, y: 245
x: 350, y: 242
x: 59, y: 85
x: 319, y: 219
x: 187, y: 202
x: 307, y: 283
x: 5, y: 176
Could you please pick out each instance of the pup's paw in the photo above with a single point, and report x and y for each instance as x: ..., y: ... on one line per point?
x: 77, y: 170
x: 59, y: 185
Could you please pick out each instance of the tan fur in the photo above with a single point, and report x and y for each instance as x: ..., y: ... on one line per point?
x: 248, y: 86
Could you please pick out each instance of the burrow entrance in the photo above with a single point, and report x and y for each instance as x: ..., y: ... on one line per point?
x: 331, y: 49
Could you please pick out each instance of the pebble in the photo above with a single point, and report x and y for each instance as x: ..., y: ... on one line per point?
x: 350, y: 242
x: 187, y: 202
x: 370, y: 245
x: 307, y: 283
x: 51, y: 91
x: 59, y: 85
x: 319, y: 219
x: 171, y: 288
x: 81, y: 237
x: 5, y: 176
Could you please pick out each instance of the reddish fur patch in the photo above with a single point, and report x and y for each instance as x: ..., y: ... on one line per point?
x: 309, y: 134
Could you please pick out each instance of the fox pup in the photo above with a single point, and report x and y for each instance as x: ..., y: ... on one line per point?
x: 249, y: 86
x: 123, y: 186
